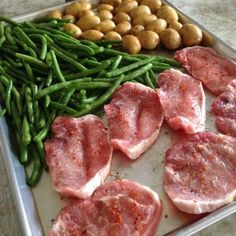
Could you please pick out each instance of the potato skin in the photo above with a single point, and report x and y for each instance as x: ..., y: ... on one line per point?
x: 105, y: 15
x: 131, y: 44
x: 123, y: 28
x: 88, y: 22
x: 105, y: 26
x: 126, y: 7
x: 157, y: 25
x: 114, y: 3
x: 148, y: 39
x: 69, y: 17
x: 136, y: 29
x: 73, y: 29
x: 56, y: 14
x: 92, y: 35
x: 76, y: 7
x: 112, y: 35
x: 154, y: 5
x: 170, y: 38
x: 104, y: 6
x: 139, y: 10
x: 190, y: 34
x: 86, y: 13
x: 176, y: 25
x: 144, y: 19
x: 167, y: 13
x: 120, y: 17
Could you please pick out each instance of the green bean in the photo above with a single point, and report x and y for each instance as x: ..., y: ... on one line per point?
x: 76, y: 84
x: 29, y: 104
x: 26, y: 136
x: 8, y: 35
x: 49, y: 79
x: 13, y: 62
x: 29, y: 71
x: 108, y: 42
x: 168, y: 61
x: 2, y: 91
x: 88, y: 99
x: 28, y: 24
x: 8, y: 96
x: 148, y: 80
x: 101, y: 100
x: 36, y: 31
x: 22, y: 44
x: 23, y: 36
x: 79, y: 47
x: 62, y: 107
x: 16, y: 117
x: 153, y: 78
x: 48, y: 19
x: 95, y: 70
x: 8, y: 51
x: 47, y: 101
x: 43, y: 45
x: 82, y: 94
x: 3, y: 112
x: 56, y: 67
x: 88, y: 62
x: 160, y: 68
x: 66, y: 98
x: 2, y: 35
x: 32, y: 60
x: 42, y: 120
x: 9, y: 21
x: 32, y: 52
x: 60, y: 39
x: 37, y: 168
x: 116, y: 63
x: 34, y: 89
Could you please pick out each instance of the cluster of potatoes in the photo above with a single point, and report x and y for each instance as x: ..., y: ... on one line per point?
x: 138, y: 23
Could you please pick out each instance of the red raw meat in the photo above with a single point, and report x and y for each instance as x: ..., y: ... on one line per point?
x: 118, y: 208
x: 78, y: 155
x: 183, y: 101
x: 225, y: 108
x: 135, y: 118
x: 205, y: 64
x: 200, y: 172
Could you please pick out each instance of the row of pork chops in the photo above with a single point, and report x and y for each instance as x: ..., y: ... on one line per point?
x: 200, y: 170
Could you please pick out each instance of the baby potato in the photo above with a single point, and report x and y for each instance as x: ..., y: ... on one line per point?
x: 154, y: 5
x: 112, y: 35
x: 69, y: 17
x: 86, y: 13
x: 170, y: 38
x: 176, y: 25
x: 144, y: 19
x: 157, y: 25
x: 131, y: 44
x: 136, y: 29
x: 76, y: 7
x: 56, y: 14
x: 105, y: 15
x: 123, y: 28
x: 107, y: 7
x: 148, y: 39
x: 114, y: 3
x: 105, y: 26
x: 126, y: 7
x: 92, y: 35
x: 120, y: 17
x: 191, y: 35
x: 139, y: 10
x: 88, y: 22
x: 72, y: 29
x: 167, y: 13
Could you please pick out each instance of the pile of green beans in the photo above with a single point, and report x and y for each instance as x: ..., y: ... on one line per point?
x: 45, y: 72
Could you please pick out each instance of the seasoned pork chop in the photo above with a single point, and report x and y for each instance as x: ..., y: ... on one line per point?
x: 118, y: 208
x: 78, y: 155
x: 183, y: 101
x: 200, y: 172
x: 135, y: 118
x: 225, y: 108
x: 205, y: 64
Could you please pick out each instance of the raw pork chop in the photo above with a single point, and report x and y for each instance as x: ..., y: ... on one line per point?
x: 118, y: 208
x: 183, y: 101
x: 135, y: 118
x: 205, y: 64
x: 225, y: 109
x: 78, y: 155
x: 200, y: 172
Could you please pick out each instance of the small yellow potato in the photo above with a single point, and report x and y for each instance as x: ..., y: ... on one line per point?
x: 88, y: 22
x: 107, y: 7
x: 69, y: 17
x: 157, y: 25
x: 92, y: 35
x: 136, y: 29
x: 167, y: 13
x: 105, y: 26
x: 154, y: 5
x: 191, y: 35
x: 72, y: 29
x: 123, y: 28
x: 56, y: 14
x: 131, y: 44
x: 148, y: 39
x: 112, y: 35
x: 139, y: 10
x: 170, y: 38
x: 126, y: 7
x: 105, y: 15
x: 120, y: 17
x: 86, y: 13
x: 76, y: 7
x: 114, y: 3
x: 176, y: 25
x: 144, y: 19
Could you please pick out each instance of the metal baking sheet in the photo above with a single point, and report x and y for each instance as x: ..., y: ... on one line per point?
x: 37, y: 207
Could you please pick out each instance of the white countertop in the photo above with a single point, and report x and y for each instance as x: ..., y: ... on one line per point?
x: 217, y: 16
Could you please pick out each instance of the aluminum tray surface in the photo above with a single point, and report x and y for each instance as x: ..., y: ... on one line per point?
x: 39, y: 206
